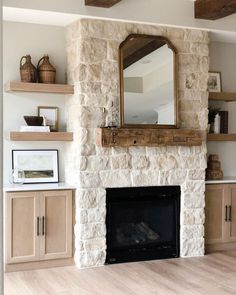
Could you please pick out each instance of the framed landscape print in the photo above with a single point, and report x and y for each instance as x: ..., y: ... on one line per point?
x: 39, y: 166
x: 214, y: 82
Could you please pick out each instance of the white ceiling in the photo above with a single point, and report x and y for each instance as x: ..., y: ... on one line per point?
x: 47, y: 17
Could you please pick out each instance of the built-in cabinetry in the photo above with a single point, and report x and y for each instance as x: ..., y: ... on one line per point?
x: 38, y: 226
x: 220, y: 222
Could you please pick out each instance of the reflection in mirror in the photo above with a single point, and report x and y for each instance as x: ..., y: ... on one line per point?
x: 148, y: 95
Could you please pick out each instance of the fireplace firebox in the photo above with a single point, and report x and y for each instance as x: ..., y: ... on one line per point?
x: 143, y: 223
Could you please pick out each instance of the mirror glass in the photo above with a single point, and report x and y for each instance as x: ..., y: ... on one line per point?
x: 148, y: 90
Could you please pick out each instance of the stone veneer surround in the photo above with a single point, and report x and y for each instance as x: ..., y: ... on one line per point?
x: 92, y: 50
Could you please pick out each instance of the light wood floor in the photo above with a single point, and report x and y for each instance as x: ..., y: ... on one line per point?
x: 214, y: 274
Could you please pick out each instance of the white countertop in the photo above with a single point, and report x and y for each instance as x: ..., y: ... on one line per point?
x: 226, y: 179
x: 37, y: 187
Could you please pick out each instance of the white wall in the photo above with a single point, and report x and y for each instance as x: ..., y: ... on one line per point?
x: 223, y: 59
x: 1, y: 170
x: 20, y: 39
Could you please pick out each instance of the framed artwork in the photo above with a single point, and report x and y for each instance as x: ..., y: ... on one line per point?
x: 38, y: 166
x: 214, y: 82
x: 51, y: 116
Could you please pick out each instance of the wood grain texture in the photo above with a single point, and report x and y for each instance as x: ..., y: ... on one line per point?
x: 221, y: 137
x: 101, y: 3
x: 13, y: 86
x: 214, y: 9
x: 211, y: 274
x: 215, y: 225
x: 40, y: 136
x: 225, y: 96
x: 111, y: 137
x: 21, y: 239
x: 56, y: 208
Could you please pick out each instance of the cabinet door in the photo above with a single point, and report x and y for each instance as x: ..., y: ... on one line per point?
x: 56, y: 217
x: 215, y: 224
x: 22, y: 227
x: 232, y: 209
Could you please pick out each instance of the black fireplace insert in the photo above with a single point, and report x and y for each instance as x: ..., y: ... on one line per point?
x: 143, y: 223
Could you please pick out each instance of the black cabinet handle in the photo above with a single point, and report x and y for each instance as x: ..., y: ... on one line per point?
x: 43, y: 225
x: 226, y: 213
x: 38, y: 226
x: 230, y: 213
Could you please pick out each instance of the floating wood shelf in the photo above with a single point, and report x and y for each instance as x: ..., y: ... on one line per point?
x: 221, y: 137
x: 226, y: 96
x: 41, y: 136
x: 112, y: 137
x: 12, y: 86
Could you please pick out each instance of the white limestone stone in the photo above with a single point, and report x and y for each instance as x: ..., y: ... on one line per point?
x: 192, y: 247
x: 139, y: 162
x: 121, y: 161
x: 94, y: 244
x: 92, y: 230
x: 116, y: 178
x: 98, y: 163
x: 89, y: 179
x: 193, y: 216
x: 196, y: 200
x: 168, y: 162
x: 144, y: 177
x: 92, y: 46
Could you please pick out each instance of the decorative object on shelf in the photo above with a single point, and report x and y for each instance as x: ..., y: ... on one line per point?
x: 46, y: 72
x: 39, y: 166
x: 224, y: 121
x: 214, y: 82
x: 17, y: 176
x: 28, y: 72
x: 211, y: 118
x: 33, y: 120
x: 51, y: 116
x: 217, y: 124
x: 213, y: 171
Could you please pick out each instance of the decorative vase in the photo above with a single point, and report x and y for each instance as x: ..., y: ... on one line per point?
x: 46, y: 72
x: 28, y: 72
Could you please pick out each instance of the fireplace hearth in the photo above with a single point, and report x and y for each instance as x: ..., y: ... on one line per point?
x: 143, y: 223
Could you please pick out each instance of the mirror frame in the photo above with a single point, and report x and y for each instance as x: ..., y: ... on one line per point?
x: 175, y: 71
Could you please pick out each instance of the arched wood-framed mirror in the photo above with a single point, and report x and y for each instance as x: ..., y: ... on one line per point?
x: 148, y: 82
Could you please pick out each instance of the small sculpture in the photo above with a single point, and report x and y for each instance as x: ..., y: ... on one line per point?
x: 213, y: 171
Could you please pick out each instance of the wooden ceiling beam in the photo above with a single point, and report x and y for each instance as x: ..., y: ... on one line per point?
x: 214, y: 9
x: 101, y: 3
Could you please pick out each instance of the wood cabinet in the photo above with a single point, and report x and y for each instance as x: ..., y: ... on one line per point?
x: 38, y: 226
x: 220, y: 222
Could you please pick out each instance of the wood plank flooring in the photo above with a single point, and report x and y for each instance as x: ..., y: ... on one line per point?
x: 213, y: 274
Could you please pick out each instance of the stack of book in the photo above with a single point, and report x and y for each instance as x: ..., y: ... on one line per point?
x: 34, y: 129
x: 223, y: 121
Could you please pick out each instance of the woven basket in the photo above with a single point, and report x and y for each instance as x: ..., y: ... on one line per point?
x: 46, y: 72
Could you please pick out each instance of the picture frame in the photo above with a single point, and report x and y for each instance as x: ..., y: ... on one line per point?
x: 51, y: 115
x: 38, y: 166
x: 214, y: 82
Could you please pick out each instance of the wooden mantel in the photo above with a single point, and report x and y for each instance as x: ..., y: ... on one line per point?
x: 101, y: 3
x: 214, y: 9
x: 113, y: 137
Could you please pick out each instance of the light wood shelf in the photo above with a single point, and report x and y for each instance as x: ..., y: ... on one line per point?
x: 40, y: 136
x: 221, y: 137
x: 225, y: 96
x: 12, y: 86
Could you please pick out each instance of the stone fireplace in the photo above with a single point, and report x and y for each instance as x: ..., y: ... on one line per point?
x: 92, y: 50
